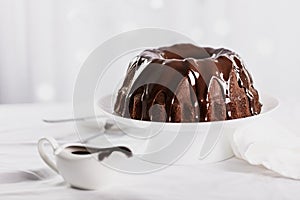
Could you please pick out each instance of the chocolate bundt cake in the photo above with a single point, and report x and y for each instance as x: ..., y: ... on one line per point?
x: 186, y: 83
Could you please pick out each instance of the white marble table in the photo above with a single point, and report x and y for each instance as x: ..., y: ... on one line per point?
x: 23, y: 175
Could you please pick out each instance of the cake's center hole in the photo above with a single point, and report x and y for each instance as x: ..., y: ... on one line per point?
x: 185, y: 51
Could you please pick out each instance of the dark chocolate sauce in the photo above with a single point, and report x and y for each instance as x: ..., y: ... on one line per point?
x: 108, y: 151
x: 81, y: 152
x: 102, y: 152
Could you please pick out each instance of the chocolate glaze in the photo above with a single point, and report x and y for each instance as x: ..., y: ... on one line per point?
x: 186, y: 83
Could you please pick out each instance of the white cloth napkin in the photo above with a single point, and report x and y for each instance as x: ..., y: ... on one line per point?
x: 268, y: 144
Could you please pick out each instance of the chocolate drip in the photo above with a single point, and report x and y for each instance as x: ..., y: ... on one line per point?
x: 102, y: 152
x: 108, y: 151
x: 186, y: 83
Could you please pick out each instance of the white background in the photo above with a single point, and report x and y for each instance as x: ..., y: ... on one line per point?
x: 44, y: 43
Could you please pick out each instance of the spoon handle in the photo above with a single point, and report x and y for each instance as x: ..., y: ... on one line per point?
x: 71, y: 119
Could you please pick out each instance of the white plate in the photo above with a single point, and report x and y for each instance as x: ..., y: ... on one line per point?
x: 182, y: 143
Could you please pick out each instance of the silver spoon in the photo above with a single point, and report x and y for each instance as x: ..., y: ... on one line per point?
x: 108, y: 124
x: 72, y: 119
